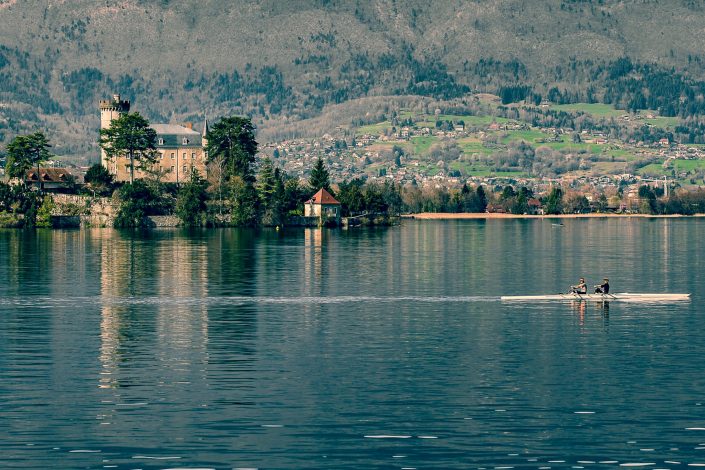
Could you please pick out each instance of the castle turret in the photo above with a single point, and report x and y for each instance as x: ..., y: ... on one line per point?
x: 204, y: 139
x: 109, y: 110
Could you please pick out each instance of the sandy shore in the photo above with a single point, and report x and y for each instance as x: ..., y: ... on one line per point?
x: 453, y: 216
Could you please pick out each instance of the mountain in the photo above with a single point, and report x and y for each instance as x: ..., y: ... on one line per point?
x: 282, y: 61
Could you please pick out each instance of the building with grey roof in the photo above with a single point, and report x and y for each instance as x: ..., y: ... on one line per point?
x: 181, y: 149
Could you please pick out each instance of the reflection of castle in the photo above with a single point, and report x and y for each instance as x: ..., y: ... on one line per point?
x: 175, y: 325
x: 180, y: 147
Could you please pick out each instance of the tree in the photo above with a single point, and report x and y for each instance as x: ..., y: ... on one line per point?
x: 319, y: 177
x: 351, y: 197
x: 270, y: 190
x: 216, y: 177
x: 233, y: 139
x: 136, y: 200
x: 26, y: 151
x: 481, y: 199
x: 130, y: 136
x: 191, y: 201
x: 294, y: 195
x: 99, y: 179
x: 244, y: 203
x: 554, y: 201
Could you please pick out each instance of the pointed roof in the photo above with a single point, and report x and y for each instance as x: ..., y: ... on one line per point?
x: 205, y: 126
x: 322, y: 197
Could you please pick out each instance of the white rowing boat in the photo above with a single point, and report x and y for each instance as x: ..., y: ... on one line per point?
x: 623, y: 297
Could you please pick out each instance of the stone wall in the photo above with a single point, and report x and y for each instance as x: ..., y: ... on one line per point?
x: 87, y: 210
x: 163, y: 221
x: 302, y: 221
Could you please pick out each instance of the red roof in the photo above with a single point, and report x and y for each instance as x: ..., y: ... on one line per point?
x: 322, y: 197
x: 50, y: 175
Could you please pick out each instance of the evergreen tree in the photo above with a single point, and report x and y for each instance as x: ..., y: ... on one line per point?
x: 244, y: 203
x: 270, y: 190
x: 554, y: 201
x: 294, y: 195
x: 26, y: 151
x: 319, y: 177
x: 191, y: 201
x: 99, y: 179
x: 130, y: 136
x: 233, y: 139
x: 481, y: 199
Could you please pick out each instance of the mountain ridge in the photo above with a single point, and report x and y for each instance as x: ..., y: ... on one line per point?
x: 179, y: 60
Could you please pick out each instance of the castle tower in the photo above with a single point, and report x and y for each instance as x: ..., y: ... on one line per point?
x: 109, y: 110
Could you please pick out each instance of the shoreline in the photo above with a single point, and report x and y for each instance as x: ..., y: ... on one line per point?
x: 494, y: 215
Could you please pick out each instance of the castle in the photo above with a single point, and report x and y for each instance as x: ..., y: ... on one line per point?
x: 180, y: 148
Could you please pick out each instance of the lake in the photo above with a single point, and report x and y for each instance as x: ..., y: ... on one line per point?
x: 332, y: 349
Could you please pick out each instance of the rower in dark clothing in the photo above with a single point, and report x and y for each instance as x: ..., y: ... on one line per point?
x: 581, y: 288
x: 603, y: 288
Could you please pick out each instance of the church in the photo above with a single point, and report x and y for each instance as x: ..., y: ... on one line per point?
x: 180, y: 148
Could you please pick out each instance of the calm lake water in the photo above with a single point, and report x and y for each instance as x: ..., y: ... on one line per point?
x: 385, y: 348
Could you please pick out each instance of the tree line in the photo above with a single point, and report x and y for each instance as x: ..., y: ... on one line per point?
x: 237, y: 191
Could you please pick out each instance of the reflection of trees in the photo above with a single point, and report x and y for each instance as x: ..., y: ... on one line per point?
x: 28, y: 260
x: 232, y: 262
x: 232, y: 275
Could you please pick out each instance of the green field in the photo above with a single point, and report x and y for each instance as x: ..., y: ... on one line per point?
x: 530, y: 136
x: 621, y: 155
x: 662, y: 122
x: 608, y: 111
x: 654, y: 169
x: 677, y: 166
x: 471, y: 146
x: 595, y: 109
x: 420, y: 145
x: 572, y: 147
x: 688, y: 165
x: 373, y: 129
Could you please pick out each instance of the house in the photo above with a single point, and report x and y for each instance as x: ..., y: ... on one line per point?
x: 324, y: 206
x: 51, y: 179
x: 534, y: 206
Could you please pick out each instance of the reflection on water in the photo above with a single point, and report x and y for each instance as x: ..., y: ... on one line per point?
x: 347, y: 349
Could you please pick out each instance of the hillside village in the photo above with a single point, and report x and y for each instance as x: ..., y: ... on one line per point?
x: 457, y: 150
x: 444, y: 152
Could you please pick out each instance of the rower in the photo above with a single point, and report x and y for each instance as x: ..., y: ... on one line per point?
x: 603, y: 288
x: 581, y: 288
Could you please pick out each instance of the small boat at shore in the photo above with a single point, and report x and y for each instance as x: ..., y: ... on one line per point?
x: 620, y: 297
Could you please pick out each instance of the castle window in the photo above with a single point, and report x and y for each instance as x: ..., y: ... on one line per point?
x: 184, y: 170
x: 172, y: 155
x: 184, y: 156
x: 160, y: 142
x: 184, y: 141
x: 193, y: 156
x: 172, y: 168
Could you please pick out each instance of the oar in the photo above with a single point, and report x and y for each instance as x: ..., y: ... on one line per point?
x: 573, y: 293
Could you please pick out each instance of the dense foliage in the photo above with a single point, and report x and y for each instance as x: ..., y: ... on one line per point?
x: 99, y: 180
x: 18, y: 205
